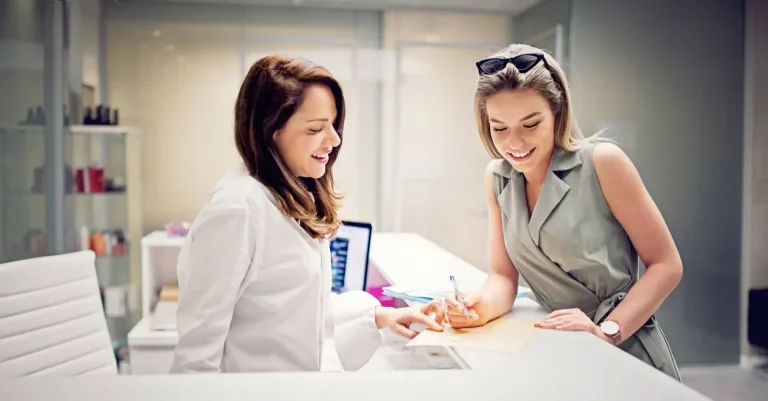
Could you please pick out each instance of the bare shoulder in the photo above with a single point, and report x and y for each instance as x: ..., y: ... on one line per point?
x: 619, y: 179
x: 608, y: 155
x: 613, y: 166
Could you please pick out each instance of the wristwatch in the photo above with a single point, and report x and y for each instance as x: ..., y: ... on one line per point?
x: 612, y: 330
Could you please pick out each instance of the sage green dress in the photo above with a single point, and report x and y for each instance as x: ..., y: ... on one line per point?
x: 572, y: 251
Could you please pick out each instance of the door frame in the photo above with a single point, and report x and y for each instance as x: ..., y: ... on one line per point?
x: 559, y: 33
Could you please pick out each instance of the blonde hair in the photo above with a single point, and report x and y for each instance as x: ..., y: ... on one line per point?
x: 550, y: 82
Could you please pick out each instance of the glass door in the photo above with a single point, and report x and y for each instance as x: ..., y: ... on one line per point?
x: 31, y: 112
x: 440, y: 159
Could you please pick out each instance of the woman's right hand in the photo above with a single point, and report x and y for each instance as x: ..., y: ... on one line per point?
x: 479, y: 314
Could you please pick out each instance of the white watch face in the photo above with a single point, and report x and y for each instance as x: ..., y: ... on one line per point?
x: 610, y: 328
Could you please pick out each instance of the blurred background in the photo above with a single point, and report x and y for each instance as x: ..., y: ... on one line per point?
x: 116, y: 118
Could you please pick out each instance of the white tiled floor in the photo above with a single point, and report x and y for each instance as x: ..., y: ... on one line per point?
x: 727, y: 383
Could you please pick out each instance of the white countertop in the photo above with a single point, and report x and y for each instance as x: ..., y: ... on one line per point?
x: 407, y: 259
x: 142, y: 336
x: 594, y: 381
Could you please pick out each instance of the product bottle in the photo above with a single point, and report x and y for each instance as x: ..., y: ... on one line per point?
x: 30, y: 116
x: 39, y: 116
x: 106, y: 116
x: 98, y: 244
x: 85, y: 239
x: 108, y: 242
x: 88, y: 119
x: 98, y: 114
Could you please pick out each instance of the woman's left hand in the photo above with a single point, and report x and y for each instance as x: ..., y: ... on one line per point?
x: 571, y: 320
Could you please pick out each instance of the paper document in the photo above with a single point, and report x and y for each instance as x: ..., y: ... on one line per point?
x: 505, y: 334
x: 425, y: 295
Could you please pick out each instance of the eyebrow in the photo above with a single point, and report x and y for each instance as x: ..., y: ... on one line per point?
x: 318, y: 119
x: 534, y: 114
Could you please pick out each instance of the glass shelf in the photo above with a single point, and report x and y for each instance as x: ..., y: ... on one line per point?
x: 74, y: 194
x: 72, y: 129
x: 95, y: 157
x: 113, y: 270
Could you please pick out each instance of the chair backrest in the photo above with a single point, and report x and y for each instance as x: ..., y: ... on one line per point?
x: 52, y: 319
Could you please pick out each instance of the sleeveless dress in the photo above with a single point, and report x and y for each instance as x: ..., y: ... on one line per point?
x: 572, y: 251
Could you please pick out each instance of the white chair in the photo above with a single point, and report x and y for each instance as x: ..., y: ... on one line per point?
x: 52, y: 319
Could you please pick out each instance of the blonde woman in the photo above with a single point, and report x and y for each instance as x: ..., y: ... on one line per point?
x: 254, y: 272
x: 570, y: 215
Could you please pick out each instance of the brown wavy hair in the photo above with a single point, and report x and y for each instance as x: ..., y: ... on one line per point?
x: 271, y: 93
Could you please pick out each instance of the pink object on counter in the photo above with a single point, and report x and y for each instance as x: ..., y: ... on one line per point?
x: 378, y: 293
x: 178, y: 229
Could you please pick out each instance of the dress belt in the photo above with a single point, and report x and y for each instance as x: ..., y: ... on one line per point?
x: 658, y: 357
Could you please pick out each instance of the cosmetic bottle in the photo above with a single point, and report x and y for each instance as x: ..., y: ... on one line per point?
x: 39, y: 116
x: 85, y: 239
x: 98, y: 114
x: 88, y: 118
x: 105, y: 117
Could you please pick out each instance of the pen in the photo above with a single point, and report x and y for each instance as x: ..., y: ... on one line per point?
x: 459, y: 297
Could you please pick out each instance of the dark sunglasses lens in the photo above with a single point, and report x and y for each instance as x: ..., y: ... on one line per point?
x: 492, y: 66
x: 525, y: 62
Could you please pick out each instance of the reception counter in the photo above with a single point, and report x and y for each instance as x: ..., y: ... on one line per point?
x: 592, y: 380
x: 553, y: 365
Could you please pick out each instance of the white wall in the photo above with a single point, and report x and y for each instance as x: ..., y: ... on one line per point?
x: 540, y: 19
x: 755, y: 253
x: 433, y: 160
x: 175, y: 70
x: 680, y: 104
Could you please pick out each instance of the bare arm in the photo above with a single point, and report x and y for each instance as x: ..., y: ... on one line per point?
x: 633, y: 207
x: 500, y: 289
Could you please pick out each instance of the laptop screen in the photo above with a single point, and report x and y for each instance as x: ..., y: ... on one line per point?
x: 349, y: 256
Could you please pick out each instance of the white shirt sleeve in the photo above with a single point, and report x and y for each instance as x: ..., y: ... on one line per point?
x: 353, y: 323
x: 211, y: 268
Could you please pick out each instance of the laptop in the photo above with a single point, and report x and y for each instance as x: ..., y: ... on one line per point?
x: 349, y: 256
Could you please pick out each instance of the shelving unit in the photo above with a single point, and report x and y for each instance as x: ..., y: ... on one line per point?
x: 102, y: 195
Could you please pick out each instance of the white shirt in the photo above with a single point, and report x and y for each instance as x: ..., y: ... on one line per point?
x: 255, y: 291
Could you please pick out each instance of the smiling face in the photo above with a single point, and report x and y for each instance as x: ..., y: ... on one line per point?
x: 308, y: 137
x: 522, y: 128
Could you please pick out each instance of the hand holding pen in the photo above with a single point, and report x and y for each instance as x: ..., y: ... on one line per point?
x: 472, y: 313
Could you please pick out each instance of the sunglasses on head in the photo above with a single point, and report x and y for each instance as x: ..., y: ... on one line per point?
x: 523, y: 63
